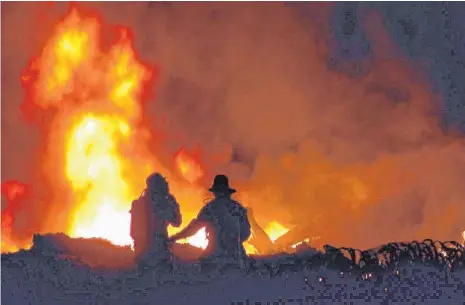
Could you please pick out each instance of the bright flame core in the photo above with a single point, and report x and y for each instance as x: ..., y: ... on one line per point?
x: 94, y: 167
x: 198, y: 240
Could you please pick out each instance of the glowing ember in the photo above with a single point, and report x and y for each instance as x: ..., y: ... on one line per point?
x: 275, y: 230
x: 307, y: 240
x: 442, y: 252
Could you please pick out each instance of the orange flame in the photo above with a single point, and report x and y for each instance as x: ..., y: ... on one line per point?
x: 275, y: 230
x: 15, y: 193
x: 75, y: 76
x: 102, y: 92
x: 13, y: 190
x: 98, y: 97
x: 188, y: 167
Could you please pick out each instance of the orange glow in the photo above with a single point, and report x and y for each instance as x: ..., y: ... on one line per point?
x: 15, y: 193
x: 188, y: 167
x: 99, y: 96
x: 275, y: 230
x: 198, y: 240
x: 103, y: 89
x: 13, y: 190
x: 93, y: 165
x: 250, y: 249
x: 306, y: 240
x: 371, y: 155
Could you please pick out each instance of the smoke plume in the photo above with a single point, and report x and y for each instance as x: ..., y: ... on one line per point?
x: 360, y: 158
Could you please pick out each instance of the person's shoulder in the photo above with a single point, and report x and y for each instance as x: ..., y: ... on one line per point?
x: 208, y: 205
x: 237, y: 205
x: 211, y: 202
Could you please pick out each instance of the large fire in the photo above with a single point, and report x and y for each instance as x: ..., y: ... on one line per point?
x: 92, y: 160
x: 365, y: 153
x: 98, y: 94
x: 74, y: 69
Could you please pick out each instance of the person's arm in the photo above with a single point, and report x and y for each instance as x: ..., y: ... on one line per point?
x: 188, y: 231
x: 192, y: 228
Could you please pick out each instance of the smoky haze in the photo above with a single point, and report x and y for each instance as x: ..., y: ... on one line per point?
x: 360, y: 157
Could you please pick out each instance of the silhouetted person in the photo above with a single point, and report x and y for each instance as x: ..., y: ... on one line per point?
x: 151, y: 214
x: 226, y: 224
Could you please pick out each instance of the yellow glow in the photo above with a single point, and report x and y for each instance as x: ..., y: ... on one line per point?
x: 275, y: 230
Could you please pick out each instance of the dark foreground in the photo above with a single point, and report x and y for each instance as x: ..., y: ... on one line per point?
x: 410, y: 273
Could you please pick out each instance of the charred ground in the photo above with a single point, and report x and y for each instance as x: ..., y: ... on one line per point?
x: 61, y: 265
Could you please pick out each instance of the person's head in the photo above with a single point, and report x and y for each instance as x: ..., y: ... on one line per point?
x: 220, y: 187
x: 156, y: 183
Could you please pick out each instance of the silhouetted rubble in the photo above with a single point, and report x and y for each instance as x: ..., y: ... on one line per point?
x: 60, y: 251
x: 45, y: 268
x: 448, y: 255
